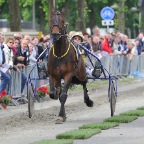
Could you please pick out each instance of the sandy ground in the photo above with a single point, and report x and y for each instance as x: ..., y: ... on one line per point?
x: 17, y: 128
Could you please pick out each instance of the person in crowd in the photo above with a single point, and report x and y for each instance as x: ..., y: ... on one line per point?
x: 131, y: 50
x: 38, y: 49
x: 96, y: 31
x: 123, y: 44
x: 47, y: 45
x: 96, y: 44
x: 116, y: 46
x: 86, y: 42
x: 27, y: 38
x: 9, y: 55
x: 5, y: 77
x: 18, y: 36
x: 32, y: 57
x: 112, y: 39
x: 106, y: 44
x: 15, y: 45
x: 21, y: 60
x: 140, y: 46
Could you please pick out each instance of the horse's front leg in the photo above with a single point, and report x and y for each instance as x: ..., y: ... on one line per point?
x: 87, y: 100
x: 63, y: 98
x: 54, y: 92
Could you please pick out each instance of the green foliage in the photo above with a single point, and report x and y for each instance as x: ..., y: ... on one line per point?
x: 6, y: 100
x: 121, y: 119
x: 58, y: 141
x: 134, y: 113
x: 78, y: 134
x: 140, y: 108
x: 102, y: 126
x: 1, y: 2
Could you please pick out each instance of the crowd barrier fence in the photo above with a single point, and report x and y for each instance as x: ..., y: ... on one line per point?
x: 116, y: 65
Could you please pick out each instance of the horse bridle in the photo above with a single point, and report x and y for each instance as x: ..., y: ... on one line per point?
x: 62, y: 30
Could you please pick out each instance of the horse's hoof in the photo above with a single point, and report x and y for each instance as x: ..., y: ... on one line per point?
x: 52, y: 96
x: 60, y: 120
x: 89, y: 103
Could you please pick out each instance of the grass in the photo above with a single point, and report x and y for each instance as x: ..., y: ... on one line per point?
x: 78, y: 134
x: 102, y: 126
x: 134, y: 113
x: 57, y: 141
x: 98, y: 83
x: 121, y: 119
x: 140, y: 108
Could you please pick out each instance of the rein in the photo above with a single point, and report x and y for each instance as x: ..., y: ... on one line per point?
x: 63, y: 54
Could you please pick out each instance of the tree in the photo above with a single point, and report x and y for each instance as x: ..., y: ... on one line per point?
x: 80, y: 24
x: 14, y: 15
x: 121, y: 16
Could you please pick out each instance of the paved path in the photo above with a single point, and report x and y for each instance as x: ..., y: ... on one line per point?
x: 130, y: 133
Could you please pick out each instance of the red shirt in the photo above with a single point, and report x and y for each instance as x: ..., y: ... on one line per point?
x: 106, y: 46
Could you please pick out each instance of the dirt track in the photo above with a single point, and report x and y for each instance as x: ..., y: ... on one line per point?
x: 17, y: 128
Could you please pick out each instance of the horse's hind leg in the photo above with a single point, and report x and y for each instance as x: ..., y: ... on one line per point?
x: 87, y: 100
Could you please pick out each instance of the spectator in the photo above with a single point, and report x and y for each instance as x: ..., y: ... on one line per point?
x: 21, y: 60
x: 37, y: 48
x: 96, y: 44
x: 86, y: 42
x: 106, y: 44
x: 9, y: 59
x: 15, y: 45
x: 112, y: 39
x: 96, y: 31
x: 116, y: 46
x: 140, y: 46
x: 123, y: 44
x: 5, y: 77
x: 32, y: 57
x: 131, y: 50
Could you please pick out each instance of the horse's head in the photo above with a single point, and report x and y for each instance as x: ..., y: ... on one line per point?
x: 57, y: 24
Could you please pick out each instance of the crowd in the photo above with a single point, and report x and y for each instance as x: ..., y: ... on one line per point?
x: 20, y: 50
x: 115, y: 43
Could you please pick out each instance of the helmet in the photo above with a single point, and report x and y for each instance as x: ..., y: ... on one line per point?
x: 78, y: 34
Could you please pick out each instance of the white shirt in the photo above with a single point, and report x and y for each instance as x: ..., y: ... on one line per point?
x: 8, y: 55
x: 1, y: 57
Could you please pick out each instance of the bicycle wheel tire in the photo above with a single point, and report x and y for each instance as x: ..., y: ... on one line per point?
x: 30, y: 96
x: 112, y: 98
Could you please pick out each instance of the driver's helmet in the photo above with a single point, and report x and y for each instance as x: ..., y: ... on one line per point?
x: 79, y: 34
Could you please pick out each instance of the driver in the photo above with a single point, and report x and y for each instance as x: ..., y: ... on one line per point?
x: 78, y: 38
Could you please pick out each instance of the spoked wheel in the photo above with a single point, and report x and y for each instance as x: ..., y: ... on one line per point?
x: 112, y: 98
x: 30, y: 96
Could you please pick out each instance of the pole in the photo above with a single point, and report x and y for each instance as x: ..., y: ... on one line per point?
x: 33, y: 8
x: 54, y: 3
x: 107, y: 28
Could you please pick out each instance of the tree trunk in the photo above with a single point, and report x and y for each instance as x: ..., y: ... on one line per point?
x: 142, y: 19
x: 14, y: 15
x: 80, y: 23
x: 67, y: 11
x: 121, y: 16
x: 51, y: 5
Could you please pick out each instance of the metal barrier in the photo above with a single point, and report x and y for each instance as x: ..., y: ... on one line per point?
x: 116, y: 65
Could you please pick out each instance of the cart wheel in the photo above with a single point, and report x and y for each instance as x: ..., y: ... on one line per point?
x: 30, y: 96
x: 112, y: 98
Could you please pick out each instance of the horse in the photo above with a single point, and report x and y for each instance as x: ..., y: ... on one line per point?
x: 63, y: 64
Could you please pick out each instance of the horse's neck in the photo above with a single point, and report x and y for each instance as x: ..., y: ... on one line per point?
x: 61, y: 45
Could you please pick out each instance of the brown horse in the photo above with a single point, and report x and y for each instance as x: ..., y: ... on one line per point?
x: 63, y: 64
